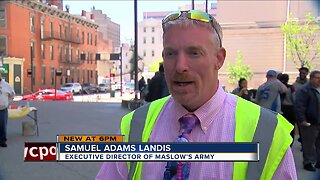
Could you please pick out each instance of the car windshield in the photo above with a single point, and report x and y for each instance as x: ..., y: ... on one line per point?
x: 102, y: 85
x: 68, y: 85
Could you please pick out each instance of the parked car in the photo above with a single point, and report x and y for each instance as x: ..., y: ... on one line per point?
x: 89, y: 88
x: 104, y: 87
x: 74, y: 88
x: 48, y: 95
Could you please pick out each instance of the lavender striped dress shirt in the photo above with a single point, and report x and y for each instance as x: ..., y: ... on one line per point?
x: 217, y: 124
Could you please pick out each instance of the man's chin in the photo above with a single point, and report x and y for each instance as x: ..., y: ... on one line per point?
x: 184, y: 99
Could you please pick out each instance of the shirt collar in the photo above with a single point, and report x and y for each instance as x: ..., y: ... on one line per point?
x: 206, y: 111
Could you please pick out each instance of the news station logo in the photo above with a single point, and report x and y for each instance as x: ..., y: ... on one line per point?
x: 40, y: 152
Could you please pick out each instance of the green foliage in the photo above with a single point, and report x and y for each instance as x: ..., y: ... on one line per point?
x: 303, y: 46
x: 239, y: 70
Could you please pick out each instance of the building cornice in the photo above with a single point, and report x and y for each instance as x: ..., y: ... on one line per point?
x: 46, y: 9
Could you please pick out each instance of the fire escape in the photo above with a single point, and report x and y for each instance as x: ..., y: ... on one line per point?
x: 69, y: 57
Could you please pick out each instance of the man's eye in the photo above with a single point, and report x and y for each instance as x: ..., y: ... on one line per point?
x: 169, y: 53
x: 194, y: 53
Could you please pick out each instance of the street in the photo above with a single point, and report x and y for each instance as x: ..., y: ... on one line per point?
x: 74, y: 118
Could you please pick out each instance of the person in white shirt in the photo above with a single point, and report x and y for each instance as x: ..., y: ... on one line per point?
x: 6, y: 95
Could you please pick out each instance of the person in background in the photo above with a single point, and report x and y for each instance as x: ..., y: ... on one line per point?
x: 6, y: 95
x: 302, y: 79
x: 287, y: 99
x: 157, y: 87
x: 268, y: 94
x: 199, y: 110
x: 242, y: 90
x: 142, y: 86
x: 307, y: 106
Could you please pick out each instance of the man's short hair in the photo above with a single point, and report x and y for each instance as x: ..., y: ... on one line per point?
x: 303, y: 69
x: 313, y: 73
x: 271, y: 73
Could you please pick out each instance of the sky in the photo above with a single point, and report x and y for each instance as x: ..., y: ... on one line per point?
x: 122, y: 11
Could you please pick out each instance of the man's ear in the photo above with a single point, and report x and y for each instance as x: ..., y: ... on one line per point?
x: 221, y: 56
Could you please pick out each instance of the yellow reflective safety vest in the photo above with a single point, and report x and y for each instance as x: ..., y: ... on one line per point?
x: 252, y: 124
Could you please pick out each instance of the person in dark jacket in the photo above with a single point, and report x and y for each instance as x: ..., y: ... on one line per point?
x: 308, y: 115
x: 157, y: 87
x: 142, y: 85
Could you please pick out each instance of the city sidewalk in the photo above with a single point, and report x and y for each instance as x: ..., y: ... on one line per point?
x: 106, y: 97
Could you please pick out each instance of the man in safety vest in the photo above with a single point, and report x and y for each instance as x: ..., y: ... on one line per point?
x: 193, y: 54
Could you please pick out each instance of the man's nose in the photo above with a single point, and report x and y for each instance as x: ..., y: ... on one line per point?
x: 182, y: 63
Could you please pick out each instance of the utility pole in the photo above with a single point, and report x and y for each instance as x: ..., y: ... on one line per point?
x: 206, y: 6
x: 31, y: 59
x: 120, y: 71
x: 135, y: 49
x: 192, y: 4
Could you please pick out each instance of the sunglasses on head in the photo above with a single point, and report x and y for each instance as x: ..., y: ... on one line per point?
x: 193, y: 15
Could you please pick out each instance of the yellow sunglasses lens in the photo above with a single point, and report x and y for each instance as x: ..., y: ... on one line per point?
x: 198, y: 15
x: 171, y: 17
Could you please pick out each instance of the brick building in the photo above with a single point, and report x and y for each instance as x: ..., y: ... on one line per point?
x: 58, y: 41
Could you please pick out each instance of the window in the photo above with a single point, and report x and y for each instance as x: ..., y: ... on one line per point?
x: 51, y: 52
x: 152, y: 29
x: 66, y: 53
x: 51, y: 29
x: 34, y: 75
x: 77, y: 34
x: 32, y: 45
x: 43, y: 75
x: 60, y: 30
x: 144, y: 40
x: 42, y: 50
x: 83, y: 75
x: 82, y: 37
x: 42, y: 28
x: 88, y: 38
x: 152, y: 53
x: 144, y: 29
x: 60, y: 53
x: 3, y: 45
x: 65, y: 32
x: 95, y: 40
x: 32, y: 23
x: 70, y: 55
x: 77, y: 55
x: 152, y: 40
x: 144, y: 53
x: 52, y: 75
x: 3, y: 22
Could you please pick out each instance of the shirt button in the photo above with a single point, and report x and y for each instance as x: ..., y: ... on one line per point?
x: 205, y: 128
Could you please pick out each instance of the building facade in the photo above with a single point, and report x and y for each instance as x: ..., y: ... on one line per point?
x: 252, y: 27
x: 49, y: 40
x: 150, y: 33
x: 109, y: 29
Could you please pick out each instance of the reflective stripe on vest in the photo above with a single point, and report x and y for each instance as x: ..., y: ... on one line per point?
x: 139, y: 117
x: 264, y: 132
